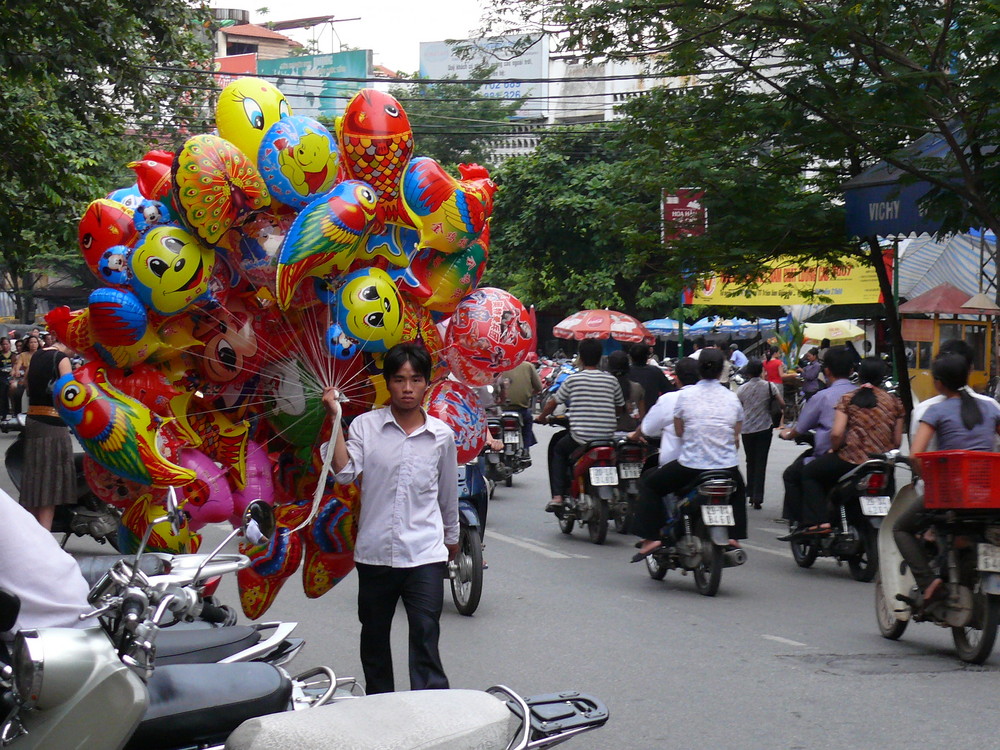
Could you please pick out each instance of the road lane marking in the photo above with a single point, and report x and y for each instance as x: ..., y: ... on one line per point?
x: 533, y: 547
x: 786, y: 641
x: 756, y: 548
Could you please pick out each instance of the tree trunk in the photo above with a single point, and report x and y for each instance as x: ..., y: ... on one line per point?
x: 895, y: 328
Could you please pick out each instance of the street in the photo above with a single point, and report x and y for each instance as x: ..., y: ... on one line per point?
x: 780, y: 658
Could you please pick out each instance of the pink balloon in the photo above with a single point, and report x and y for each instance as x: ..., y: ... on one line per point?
x: 208, y: 499
x: 260, y: 482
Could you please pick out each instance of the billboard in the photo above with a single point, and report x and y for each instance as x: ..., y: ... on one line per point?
x: 310, y: 82
x: 684, y: 214
x: 789, y: 283
x: 516, y: 57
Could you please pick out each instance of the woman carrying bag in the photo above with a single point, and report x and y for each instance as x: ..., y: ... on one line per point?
x: 762, y: 405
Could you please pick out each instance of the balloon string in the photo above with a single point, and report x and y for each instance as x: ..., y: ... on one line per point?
x: 324, y: 472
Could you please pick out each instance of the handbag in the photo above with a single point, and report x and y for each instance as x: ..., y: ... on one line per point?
x: 774, y: 408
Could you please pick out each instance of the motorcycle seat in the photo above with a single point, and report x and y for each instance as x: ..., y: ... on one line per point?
x: 428, y: 719
x: 590, y: 446
x: 203, y: 703
x: 203, y: 645
x: 93, y: 567
x: 704, y: 477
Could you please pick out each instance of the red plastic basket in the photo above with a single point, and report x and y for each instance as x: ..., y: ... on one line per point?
x: 967, y: 480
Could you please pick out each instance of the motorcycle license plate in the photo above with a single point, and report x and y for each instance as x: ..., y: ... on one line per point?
x: 875, y: 505
x: 717, y: 515
x: 512, y: 437
x: 989, y: 558
x: 631, y: 471
x: 603, y: 476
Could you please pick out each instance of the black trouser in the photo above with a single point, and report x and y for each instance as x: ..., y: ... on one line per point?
x: 422, y: 591
x: 5, y: 400
x: 791, y: 510
x: 904, y: 532
x: 527, y: 420
x: 818, y: 477
x: 561, y: 447
x: 650, y: 513
x: 757, y: 445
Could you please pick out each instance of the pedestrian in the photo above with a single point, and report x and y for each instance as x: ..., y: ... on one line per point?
x: 652, y: 379
x: 659, y: 420
x: 755, y: 395
x: 7, y: 357
x: 774, y: 368
x: 811, y: 372
x: 49, y: 469
x: 408, y: 521
x: 522, y: 384
x: 18, y: 380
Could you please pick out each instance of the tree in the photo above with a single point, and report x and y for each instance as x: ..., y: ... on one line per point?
x: 86, y: 88
x: 578, y: 223
x: 456, y: 123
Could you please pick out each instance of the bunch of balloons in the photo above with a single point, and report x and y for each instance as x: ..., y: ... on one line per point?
x: 243, y: 274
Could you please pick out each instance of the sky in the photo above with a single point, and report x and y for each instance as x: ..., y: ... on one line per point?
x: 392, y: 29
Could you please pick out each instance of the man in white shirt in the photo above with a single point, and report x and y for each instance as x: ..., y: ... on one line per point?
x: 659, y: 421
x: 408, y: 519
x: 46, y: 579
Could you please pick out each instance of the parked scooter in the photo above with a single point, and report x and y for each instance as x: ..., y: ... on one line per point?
x: 696, y: 535
x: 60, y: 682
x: 858, y: 502
x: 592, y: 488
x: 962, y: 537
x: 90, y: 516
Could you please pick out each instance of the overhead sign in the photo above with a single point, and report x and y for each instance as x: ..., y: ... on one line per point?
x: 517, y: 56
x: 791, y: 283
x: 684, y: 213
x: 310, y: 82
x: 888, y: 211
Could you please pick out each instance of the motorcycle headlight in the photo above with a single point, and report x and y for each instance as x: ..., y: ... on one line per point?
x: 27, y: 667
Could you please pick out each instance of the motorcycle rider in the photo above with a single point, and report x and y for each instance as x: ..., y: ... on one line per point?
x: 817, y: 416
x: 659, y: 421
x: 46, y: 579
x: 959, y: 422
x: 593, y: 401
x: 652, y: 379
x: 708, y: 418
x: 522, y: 383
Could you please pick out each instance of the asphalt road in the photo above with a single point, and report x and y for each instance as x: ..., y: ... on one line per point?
x: 780, y: 658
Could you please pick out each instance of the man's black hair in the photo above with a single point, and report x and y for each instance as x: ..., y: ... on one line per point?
x: 959, y: 347
x: 408, y: 351
x: 639, y: 353
x: 590, y: 352
x: 686, y: 370
x: 839, y: 360
x: 753, y: 368
x: 710, y: 363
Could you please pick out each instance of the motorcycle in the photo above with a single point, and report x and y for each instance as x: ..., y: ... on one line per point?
x: 466, y: 570
x: 592, y: 488
x: 859, y: 501
x: 696, y: 535
x: 56, y: 688
x: 962, y: 537
x: 89, y: 516
x: 630, y: 458
x: 503, y: 464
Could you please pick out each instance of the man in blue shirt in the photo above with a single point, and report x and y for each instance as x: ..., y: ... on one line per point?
x: 738, y: 358
x: 817, y: 415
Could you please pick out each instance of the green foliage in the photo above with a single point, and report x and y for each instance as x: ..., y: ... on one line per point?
x: 84, y: 92
x: 455, y: 123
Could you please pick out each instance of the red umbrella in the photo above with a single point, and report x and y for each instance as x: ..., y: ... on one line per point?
x: 603, y: 324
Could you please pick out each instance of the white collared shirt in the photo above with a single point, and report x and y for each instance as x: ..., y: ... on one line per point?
x: 409, y: 491
x: 710, y: 412
x: 660, y: 420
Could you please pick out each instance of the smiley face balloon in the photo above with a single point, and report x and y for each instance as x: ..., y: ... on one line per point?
x: 170, y: 269
x: 369, y: 310
x: 247, y: 108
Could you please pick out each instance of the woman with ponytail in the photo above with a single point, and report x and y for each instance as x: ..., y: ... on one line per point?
x: 959, y: 422
x: 867, y: 420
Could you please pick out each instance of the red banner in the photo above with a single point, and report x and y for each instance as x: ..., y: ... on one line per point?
x: 684, y: 214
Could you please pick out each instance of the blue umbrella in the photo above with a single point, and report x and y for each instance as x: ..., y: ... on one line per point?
x: 662, y: 327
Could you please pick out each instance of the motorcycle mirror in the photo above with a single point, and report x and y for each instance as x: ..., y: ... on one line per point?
x: 173, y: 511
x: 258, y: 522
